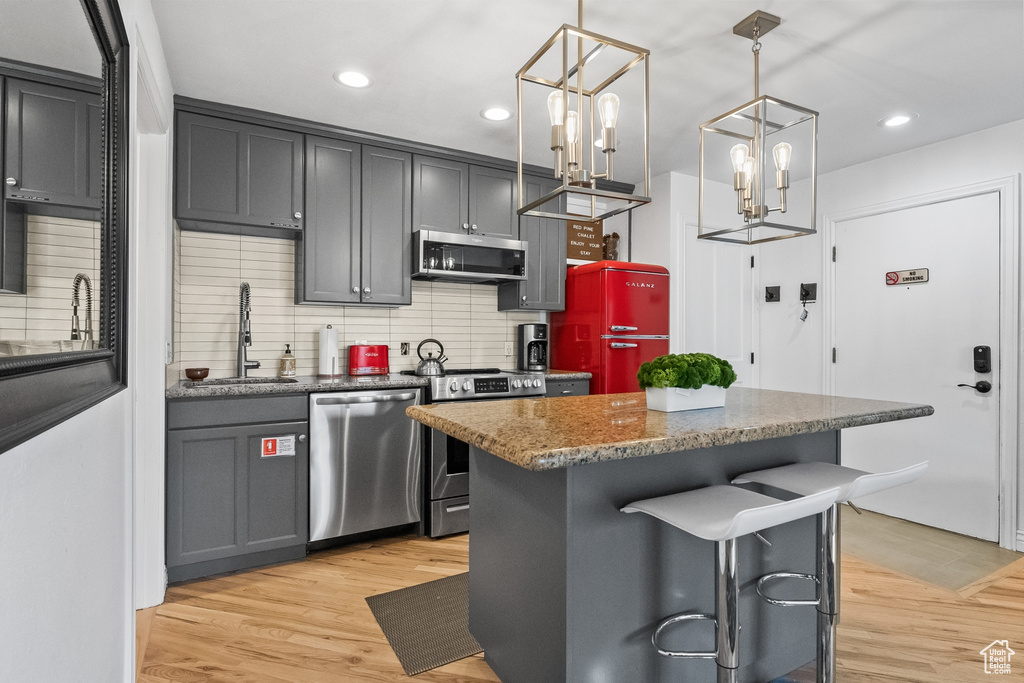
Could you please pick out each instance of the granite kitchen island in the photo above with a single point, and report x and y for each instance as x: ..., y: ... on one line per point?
x: 564, y: 587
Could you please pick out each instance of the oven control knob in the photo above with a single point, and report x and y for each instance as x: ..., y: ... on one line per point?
x: 517, y: 383
x: 466, y: 386
x: 536, y: 383
x: 454, y: 386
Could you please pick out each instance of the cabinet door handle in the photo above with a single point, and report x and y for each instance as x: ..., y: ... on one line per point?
x: 473, y: 227
x: 524, y: 297
x: 465, y: 226
x: 366, y: 290
x: 12, y: 182
x: 302, y: 438
x: 355, y: 290
x: 566, y: 391
x: 298, y: 214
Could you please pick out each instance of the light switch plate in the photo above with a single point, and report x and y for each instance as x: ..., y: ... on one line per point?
x: 508, y: 348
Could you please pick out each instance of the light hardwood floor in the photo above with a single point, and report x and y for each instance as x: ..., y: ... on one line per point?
x: 307, y: 621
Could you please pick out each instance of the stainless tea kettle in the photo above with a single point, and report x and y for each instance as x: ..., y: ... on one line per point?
x: 430, y: 366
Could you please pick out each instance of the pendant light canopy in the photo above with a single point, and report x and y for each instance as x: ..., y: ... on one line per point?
x: 569, y: 85
x: 753, y: 151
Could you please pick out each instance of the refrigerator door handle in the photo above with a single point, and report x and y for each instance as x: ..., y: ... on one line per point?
x: 623, y: 345
x: 623, y: 328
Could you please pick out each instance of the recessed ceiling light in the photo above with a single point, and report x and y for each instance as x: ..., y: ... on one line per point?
x: 897, y: 120
x: 495, y: 114
x: 352, y: 79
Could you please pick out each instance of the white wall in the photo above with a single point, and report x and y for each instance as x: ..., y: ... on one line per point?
x: 66, y: 503
x: 65, y: 570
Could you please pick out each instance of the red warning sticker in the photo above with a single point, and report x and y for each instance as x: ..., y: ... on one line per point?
x: 278, y: 445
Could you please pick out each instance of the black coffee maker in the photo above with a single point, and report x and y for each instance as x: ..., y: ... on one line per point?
x: 533, y: 347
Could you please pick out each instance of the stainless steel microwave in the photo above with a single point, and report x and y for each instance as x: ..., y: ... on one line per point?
x: 453, y: 257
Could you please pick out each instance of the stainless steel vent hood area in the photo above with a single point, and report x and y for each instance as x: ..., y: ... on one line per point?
x: 453, y: 257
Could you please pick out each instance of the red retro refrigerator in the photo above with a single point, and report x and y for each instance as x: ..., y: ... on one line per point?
x: 615, y: 318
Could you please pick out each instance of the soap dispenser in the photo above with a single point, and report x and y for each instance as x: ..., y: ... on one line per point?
x: 287, y: 362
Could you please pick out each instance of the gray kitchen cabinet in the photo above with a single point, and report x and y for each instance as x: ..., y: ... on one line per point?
x: 357, y: 244
x: 237, y: 177
x: 13, y: 249
x: 566, y: 387
x: 386, y: 263
x: 451, y: 196
x: 492, y: 202
x: 231, y: 502
x: 544, y: 287
x: 53, y: 146
x: 327, y: 257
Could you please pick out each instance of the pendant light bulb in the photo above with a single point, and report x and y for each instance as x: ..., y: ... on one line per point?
x: 608, y: 107
x: 739, y: 154
x: 783, y: 153
x: 572, y: 128
x: 555, y: 107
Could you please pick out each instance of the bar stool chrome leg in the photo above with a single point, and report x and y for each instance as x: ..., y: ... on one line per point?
x: 828, y: 594
x: 727, y: 592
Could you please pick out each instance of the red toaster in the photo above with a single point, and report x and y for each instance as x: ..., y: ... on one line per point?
x: 368, y: 359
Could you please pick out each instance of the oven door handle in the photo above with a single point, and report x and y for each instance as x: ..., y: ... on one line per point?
x: 342, y: 400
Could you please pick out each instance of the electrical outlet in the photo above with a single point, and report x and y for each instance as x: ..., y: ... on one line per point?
x: 405, y: 348
x: 508, y: 348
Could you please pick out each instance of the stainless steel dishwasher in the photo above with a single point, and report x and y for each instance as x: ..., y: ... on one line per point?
x: 364, y: 462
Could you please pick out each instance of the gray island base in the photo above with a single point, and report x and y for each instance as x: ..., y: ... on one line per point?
x: 565, y: 588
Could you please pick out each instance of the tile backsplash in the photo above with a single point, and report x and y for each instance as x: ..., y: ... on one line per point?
x: 209, y: 268
x: 57, y: 249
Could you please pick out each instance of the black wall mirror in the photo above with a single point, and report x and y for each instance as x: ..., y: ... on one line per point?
x: 63, y: 262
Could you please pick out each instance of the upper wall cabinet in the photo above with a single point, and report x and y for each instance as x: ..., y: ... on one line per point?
x: 357, y: 244
x: 53, y: 146
x: 451, y: 196
x: 237, y: 177
x: 544, y: 288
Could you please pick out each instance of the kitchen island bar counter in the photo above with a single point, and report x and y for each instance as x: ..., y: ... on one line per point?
x: 540, y: 434
x: 565, y: 588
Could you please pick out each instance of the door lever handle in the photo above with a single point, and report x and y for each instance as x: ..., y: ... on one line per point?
x: 981, y: 387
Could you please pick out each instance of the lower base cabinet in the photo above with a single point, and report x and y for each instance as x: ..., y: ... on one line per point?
x: 237, y: 484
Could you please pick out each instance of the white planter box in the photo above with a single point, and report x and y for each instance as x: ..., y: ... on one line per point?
x: 672, y: 399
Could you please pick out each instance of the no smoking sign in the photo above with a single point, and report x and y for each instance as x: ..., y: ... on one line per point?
x: 906, y: 277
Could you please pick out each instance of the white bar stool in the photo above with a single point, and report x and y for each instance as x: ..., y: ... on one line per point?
x: 723, y: 514
x: 809, y: 478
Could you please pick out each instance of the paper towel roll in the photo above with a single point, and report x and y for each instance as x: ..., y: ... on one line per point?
x: 329, y: 352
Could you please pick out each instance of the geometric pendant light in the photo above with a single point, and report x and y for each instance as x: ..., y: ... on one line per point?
x: 757, y: 151
x: 569, y: 92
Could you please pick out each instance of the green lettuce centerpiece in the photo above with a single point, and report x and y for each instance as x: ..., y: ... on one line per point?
x: 686, y: 371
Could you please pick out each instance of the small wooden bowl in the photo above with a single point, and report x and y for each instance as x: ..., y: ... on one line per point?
x: 197, y: 374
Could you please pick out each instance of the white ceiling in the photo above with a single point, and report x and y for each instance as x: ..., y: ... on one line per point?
x: 436, y: 64
x: 52, y: 33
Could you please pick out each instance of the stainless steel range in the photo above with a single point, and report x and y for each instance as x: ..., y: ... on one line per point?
x: 447, y: 458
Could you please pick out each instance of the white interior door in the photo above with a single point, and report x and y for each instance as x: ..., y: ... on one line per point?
x: 915, y: 342
x: 718, y: 312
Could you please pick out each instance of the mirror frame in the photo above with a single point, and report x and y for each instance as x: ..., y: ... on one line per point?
x: 41, y: 391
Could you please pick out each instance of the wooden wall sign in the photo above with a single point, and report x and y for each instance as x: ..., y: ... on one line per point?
x: 584, y: 240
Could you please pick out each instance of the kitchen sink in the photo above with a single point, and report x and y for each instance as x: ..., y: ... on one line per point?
x: 221, y: 381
